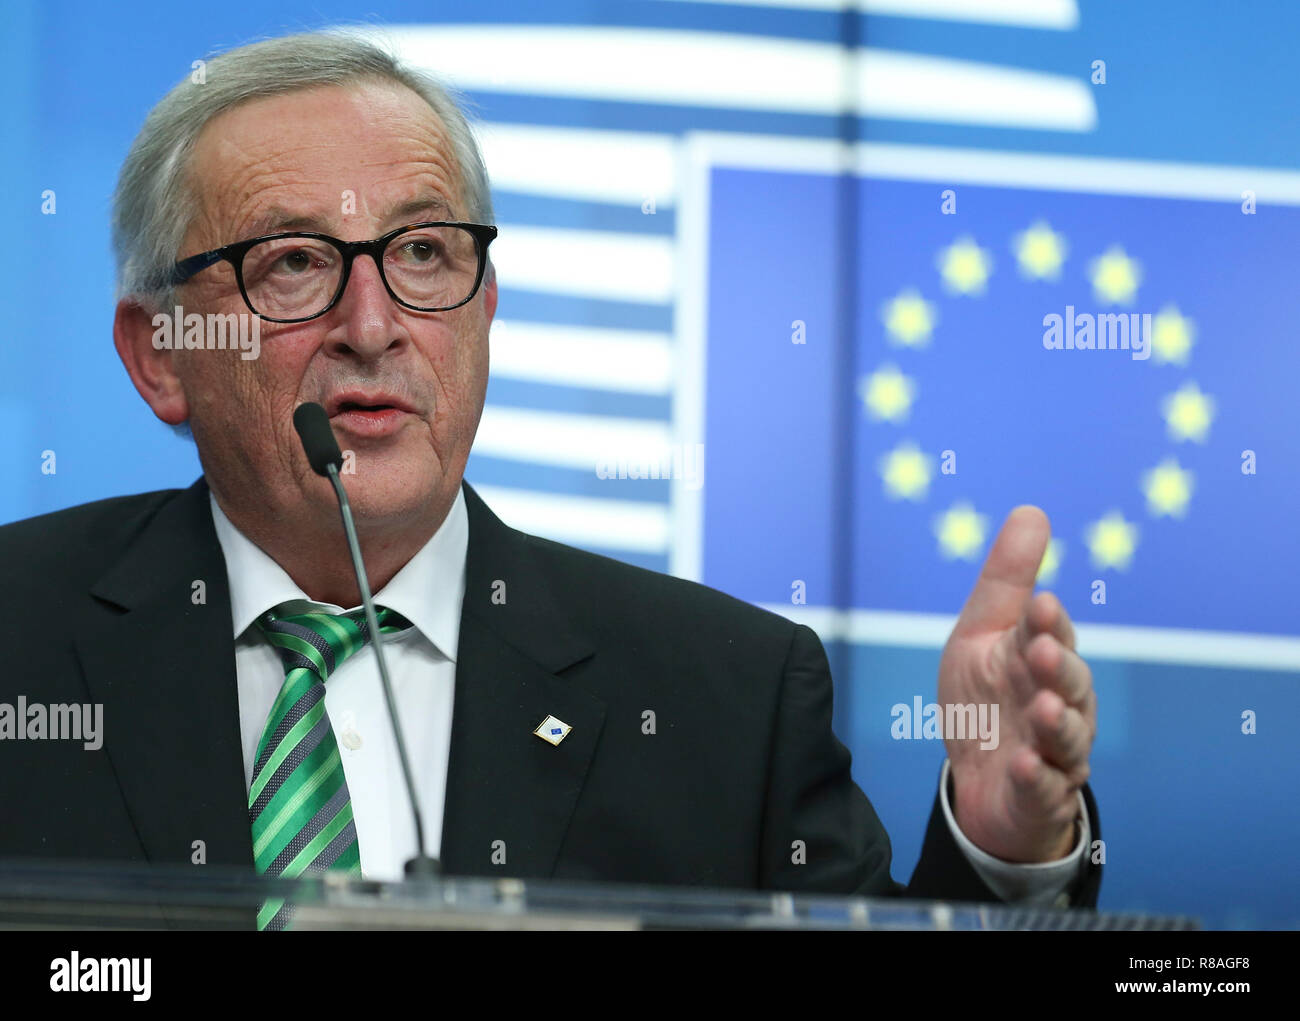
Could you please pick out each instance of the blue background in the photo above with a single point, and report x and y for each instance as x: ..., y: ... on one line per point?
x: 1198, y: 818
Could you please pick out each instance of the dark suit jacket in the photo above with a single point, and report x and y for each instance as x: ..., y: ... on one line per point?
x: 98, y: 608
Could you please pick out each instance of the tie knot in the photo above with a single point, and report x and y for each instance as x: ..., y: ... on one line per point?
x: 320, y: 641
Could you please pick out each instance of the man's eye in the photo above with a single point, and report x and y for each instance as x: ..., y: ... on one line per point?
x: 419, y: 251
x: 294, y: 262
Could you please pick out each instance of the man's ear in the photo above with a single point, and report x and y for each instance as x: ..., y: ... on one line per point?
x: 148, y: 364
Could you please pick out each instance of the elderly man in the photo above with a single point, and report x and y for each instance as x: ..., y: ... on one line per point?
x: 340, y: 198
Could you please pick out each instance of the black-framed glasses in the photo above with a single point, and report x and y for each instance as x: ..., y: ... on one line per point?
x: 296, y: 276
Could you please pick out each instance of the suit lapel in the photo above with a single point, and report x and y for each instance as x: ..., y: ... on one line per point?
x: 164, y: 670
x: 510, y: 794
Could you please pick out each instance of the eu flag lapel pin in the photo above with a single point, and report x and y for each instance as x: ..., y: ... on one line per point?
x: 552, y: 730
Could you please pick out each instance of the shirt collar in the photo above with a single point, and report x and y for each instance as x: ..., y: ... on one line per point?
x: 428, y: 591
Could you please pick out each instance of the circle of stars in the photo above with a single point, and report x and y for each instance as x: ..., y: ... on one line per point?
x: 910, y: 321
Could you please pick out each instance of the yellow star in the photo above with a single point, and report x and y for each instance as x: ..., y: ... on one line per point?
x: 1115, y: 277
x: 1040, y: 252
x: 906, y: 472
x: 1052, y: 558
x: 965, y: 266
x: 1172, y: 336
x: 961, y: 532
x: 1168, y: 489
x: 909, y: 318
x: 1111, y: 541
x: 1188, y: 414
x: 888, y: 394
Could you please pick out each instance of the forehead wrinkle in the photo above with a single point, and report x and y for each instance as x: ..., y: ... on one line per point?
x: 244, y: 190
x: 257, y: 166
x: 301, y: 216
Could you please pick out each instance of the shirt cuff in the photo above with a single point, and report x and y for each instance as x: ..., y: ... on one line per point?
x: 1033, y: 884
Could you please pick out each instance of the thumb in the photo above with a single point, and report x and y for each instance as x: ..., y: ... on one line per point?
x: 1006, y: 580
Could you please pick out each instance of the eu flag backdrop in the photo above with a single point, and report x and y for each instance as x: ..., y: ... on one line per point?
x: 1164, y: 467
x: 882, y: 387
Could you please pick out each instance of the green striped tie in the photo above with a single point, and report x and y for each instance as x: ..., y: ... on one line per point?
x: 299, y: 802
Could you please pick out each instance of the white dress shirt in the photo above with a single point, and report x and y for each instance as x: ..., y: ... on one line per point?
x: 428, y: 591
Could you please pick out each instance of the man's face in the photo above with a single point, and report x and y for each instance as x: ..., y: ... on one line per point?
x: 354, y: 163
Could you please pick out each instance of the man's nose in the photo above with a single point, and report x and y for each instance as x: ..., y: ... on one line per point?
x: 366, y: 312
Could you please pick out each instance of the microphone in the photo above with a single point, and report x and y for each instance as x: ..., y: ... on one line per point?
x: 322, y: 450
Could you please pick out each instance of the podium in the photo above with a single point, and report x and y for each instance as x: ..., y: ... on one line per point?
x: 43, y: 895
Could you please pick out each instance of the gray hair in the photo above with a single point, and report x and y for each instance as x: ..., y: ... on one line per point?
x: 153, y: 204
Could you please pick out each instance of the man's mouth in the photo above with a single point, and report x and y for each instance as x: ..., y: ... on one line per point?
x: 366, y: 415
x: 361, y: 400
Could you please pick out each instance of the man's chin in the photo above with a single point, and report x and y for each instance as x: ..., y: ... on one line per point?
x: 381, y: 501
